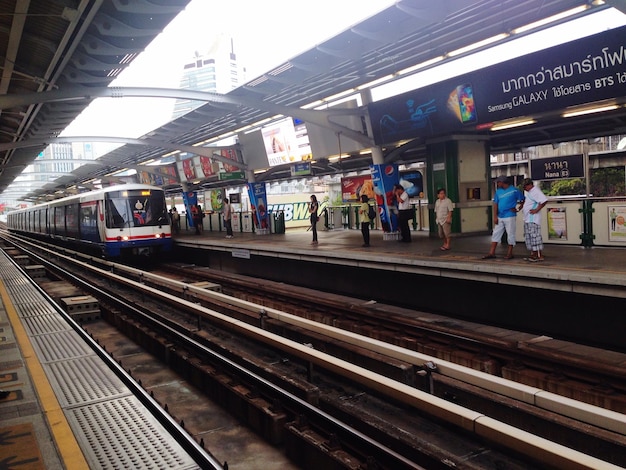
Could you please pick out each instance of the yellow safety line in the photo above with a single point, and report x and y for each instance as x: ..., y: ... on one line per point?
x: 66, y: 443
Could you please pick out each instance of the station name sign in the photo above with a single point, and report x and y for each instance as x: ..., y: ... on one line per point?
x: 555, y: 168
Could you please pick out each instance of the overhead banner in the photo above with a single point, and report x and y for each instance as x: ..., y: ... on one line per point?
x: 583, y: 71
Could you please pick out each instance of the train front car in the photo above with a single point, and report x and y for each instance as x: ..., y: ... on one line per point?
x: 136, y: 222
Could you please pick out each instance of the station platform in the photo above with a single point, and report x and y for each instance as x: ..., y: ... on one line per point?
x: 61, y: 406
x: 595, y: 270
x: 576, y: 294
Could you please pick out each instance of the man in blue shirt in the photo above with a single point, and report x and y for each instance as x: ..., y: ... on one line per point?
x: 505, y: 203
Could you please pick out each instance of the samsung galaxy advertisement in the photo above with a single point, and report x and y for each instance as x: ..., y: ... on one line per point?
x: 583, y: 71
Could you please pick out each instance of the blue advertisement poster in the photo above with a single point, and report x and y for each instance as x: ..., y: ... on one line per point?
x: 190, y: 198
x: 384, y: 177
x: 587, y: 70
x: 258, y: 201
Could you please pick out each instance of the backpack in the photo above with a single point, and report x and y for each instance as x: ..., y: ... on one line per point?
x: 371, y: 212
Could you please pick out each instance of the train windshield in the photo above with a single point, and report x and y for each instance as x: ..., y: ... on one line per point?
x: 136, y: 208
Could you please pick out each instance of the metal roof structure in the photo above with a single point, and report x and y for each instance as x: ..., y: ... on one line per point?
x: 409, y: 32
x: 59, y: 44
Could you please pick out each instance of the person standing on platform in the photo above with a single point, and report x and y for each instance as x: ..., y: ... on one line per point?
x: 364, y: 210
x: 313, y: 208
x: 195, y: 217
x: 443, y: 216
x: 534, y: 201
x: 504, y: 214
x: 227, y: 212
x: 404, y: 213
x: 175, y: 221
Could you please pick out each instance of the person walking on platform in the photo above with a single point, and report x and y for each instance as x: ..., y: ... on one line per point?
x: 313, y: 208
x: 443, y: 216
x: 504, y: 214
x: 227, y: 212
x: 364, y: 217
x: 534, y: 201
x: 404, y: 209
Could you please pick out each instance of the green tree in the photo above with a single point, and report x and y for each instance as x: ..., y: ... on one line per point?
x: 568, y: 187
x: 607, y: 182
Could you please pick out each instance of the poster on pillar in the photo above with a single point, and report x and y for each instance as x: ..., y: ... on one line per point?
x: 190, y: 198
x: 258, y: 202
x: 384, y: 177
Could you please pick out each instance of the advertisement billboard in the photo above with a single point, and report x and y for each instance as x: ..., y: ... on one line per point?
x: 584, y: 71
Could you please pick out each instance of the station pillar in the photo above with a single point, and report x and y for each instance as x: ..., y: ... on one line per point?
x: 462, y: 167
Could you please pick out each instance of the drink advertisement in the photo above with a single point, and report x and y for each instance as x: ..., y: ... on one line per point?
x: 384, y: 177
x: 190, y: 198
x: 258, y: 205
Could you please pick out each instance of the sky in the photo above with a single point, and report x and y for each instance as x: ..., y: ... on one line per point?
x: 265, y: 33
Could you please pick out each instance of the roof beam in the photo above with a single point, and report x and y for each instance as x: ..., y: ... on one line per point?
x: 149, y: 142
x: 321, y: 118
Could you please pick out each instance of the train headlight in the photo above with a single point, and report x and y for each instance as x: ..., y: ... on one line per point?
x: 125, y: 238
x: 158, y: 235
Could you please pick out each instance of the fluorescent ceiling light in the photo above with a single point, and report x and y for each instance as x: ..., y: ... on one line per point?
x: 425, y: 64
x: 510, y: 124
x: 581, y: 112
x: 373, y: 83
x: 551, y: 19
x: 478, y: 45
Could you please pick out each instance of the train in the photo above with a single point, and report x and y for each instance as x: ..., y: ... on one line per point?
x: 127, y: 220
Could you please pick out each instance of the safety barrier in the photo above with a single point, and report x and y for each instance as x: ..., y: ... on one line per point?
x: 242, y: 222
x: 347, y: 217
x: 581, y: 221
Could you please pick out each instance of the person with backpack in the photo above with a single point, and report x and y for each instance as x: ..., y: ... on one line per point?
x: 366, y: 214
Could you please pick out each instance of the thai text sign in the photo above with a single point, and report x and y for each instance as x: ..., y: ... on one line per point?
x: 554, y: 168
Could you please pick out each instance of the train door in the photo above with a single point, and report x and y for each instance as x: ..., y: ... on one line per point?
x: 101, y: 221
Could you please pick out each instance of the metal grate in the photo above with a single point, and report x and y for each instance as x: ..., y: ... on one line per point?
x: 82, y: 381
x: 40, y: 324
x: 112, y: 427
x: 60, y: 346
x: 122, y: 435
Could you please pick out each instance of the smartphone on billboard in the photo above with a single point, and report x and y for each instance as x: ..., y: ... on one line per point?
x: 465, y: 96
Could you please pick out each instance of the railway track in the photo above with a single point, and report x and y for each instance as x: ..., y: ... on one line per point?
x: 339, y: 388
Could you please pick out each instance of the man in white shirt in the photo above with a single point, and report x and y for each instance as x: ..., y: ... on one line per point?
x: 443, y: 216
x: 534, y: 201
x: 404, y: 215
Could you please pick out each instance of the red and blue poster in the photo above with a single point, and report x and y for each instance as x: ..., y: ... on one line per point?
x: 190, y: 198
x: 258, y: 201
x: 384, y: 177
